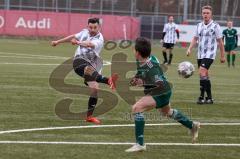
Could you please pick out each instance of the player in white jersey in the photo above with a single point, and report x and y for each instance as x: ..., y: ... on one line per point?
x: 87, y: 62
x: 170, y: 34
x: 208, y: 35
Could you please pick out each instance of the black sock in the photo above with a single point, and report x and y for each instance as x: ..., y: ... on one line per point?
x: 91, y: 105
x: 164, y: 56
x: 170, y: 58
x: 202, y: 88
x: 208, y: 89
x: 101, y: 79
x: 98, y: 77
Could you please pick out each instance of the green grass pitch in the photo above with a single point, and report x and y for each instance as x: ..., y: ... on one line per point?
x: 28, y: 101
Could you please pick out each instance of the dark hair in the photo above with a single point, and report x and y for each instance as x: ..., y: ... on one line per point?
x: 207, y: 7
x: 93, y: 20
x: 143, y: 46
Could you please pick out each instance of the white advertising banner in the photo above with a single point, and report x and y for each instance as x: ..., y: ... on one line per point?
x: 187, y: 32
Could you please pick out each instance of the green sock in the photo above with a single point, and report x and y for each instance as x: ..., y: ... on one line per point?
x: 178, y: 116
x: 233, y: 58
x: 228, y: 58
x: 139, y: 128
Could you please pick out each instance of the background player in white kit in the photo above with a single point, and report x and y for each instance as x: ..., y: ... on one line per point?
x: 208, y: 34
x: 87, y: 62
x: 170, y: 34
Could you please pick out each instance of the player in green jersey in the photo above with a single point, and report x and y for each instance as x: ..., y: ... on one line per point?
x: 157, y: 92
x: 231, y: 42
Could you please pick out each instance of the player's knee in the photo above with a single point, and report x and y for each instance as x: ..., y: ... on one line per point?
x: 90, y: 73
x: 88, y: 70
x: 203, y: 72
x: 166, y: 111
x: 136, y: 109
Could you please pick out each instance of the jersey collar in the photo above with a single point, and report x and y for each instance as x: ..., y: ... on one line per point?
x: 208, y: 23
x: 145, y: 62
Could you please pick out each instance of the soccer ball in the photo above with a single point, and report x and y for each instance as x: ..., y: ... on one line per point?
x: 186, y: 69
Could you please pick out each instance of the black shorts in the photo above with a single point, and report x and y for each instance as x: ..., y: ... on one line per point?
x: 206, y: 63
x: 168, y: 45
x: 79, y: 65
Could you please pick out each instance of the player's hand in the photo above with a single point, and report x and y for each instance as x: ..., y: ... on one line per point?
x: 188, y: 52
x: 161, y: 41
x: 54, y: 43
x: 136, y: 82
x: 222, y: 59
x: 74, y: 41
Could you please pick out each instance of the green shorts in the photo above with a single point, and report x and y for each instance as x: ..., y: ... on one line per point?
x: 162, y: 100
x: 229, y: 47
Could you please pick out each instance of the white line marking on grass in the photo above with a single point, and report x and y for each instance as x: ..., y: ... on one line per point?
x: 105, y: 63
x: 33, y: 41
x: 28, y: 64
x: 117, y: 143
x: 29, y: 55
x: 108, y: 126
x: 60, y: 57
x: 21, y: 55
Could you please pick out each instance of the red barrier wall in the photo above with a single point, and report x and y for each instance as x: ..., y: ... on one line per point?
x: 31, y: 23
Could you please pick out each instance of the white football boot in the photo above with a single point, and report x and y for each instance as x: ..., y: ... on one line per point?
x: 136, y: 148
x: 194, y: 131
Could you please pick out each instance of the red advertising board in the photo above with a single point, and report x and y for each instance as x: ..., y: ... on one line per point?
x: 31, y: 23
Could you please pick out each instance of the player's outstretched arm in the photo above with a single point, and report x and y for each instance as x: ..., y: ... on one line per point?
x: 86, y: 44
x: 192, y: 44
x: 65, y: 39
x: 221, y: 47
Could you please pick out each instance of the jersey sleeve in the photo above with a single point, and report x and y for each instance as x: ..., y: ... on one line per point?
x: 176, y: 26
x: 155, y: 60
x: 79, y: 35
x: 224, y: 33
x: 236, y: 36
x: 218, y: 32
x: 196, y: 31
x: 165, y: 28
x: 236, y: 33
x: 98, y: 43
x: 82, y: 36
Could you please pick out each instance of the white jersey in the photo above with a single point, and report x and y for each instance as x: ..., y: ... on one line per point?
x: 171, y: 35
x: 207, y: 39
x: 92, y: 55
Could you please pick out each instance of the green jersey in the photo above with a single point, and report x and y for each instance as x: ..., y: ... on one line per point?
x: 153, y: 77
x: 230, y: 36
